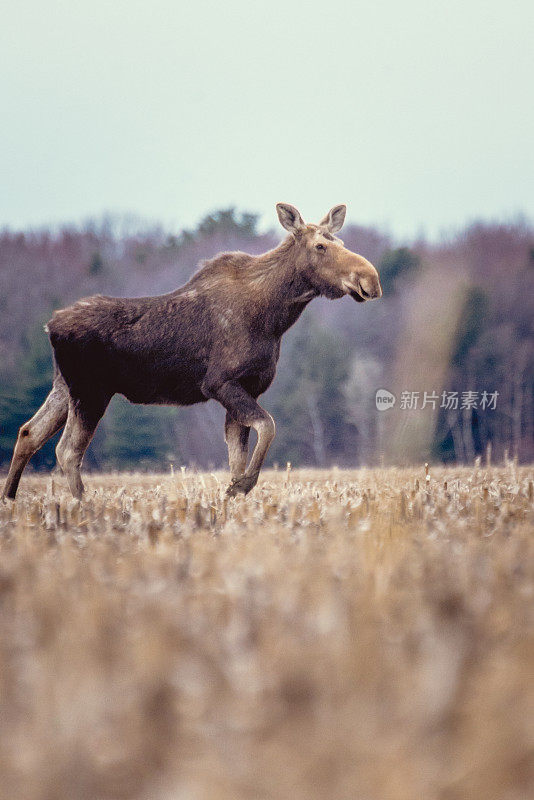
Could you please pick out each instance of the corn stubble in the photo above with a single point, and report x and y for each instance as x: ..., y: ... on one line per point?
x: 337, y: 634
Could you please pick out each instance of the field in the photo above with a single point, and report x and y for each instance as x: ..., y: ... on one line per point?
x: 364, y: 634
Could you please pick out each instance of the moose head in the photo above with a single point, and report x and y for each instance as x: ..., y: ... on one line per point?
x: 324, y: 261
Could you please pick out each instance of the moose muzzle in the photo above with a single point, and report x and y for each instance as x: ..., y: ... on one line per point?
x: 363, y: 287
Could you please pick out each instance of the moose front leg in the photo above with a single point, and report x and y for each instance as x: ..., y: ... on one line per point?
x: 244, y: 410
x: 236, y: 436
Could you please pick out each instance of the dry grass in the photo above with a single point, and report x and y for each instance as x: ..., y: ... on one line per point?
x: 364, y: 635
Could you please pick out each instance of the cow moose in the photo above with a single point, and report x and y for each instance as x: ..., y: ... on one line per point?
x: 218, y: 336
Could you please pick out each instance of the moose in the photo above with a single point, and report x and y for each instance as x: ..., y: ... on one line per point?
x: 218, y: 336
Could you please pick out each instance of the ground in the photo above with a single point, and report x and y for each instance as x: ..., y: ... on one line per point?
x: 366, y: 635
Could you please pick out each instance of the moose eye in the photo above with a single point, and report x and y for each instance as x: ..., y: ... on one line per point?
x: 320, y: 247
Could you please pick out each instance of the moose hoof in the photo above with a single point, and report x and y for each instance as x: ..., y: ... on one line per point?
x: 241, y: 485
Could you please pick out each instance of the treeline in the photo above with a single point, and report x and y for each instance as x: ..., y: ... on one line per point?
x: 452, y: 339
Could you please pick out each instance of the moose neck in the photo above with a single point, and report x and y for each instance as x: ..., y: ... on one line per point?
x: 282, y: 291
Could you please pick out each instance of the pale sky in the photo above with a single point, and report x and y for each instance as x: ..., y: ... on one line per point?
x: 417, y: 114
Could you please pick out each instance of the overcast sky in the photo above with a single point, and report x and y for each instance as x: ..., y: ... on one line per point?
x: 417, y: 114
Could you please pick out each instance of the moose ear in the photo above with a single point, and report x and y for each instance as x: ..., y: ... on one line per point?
x: 290, y: 218
x: 334, y: 219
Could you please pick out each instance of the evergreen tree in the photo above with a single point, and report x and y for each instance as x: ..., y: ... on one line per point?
x: 23, y: 393
x: 394, y: 264
x: 136, y: 437
x: 307, y: 401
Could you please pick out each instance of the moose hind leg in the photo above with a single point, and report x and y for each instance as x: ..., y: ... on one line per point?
x: 34, y: 433
x: 81, y: 425
x: 237, y: 436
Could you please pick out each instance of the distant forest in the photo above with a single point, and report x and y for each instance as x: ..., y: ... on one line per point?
x: 452, y: 338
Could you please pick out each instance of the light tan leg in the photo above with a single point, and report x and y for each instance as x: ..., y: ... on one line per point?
x: 244, y: 409
x: 34, y: 433
x: 265, y: 429
x: 79, y: 430
x: 237, y: 436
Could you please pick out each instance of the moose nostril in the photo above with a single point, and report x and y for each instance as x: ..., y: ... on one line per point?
x: 369, y: 288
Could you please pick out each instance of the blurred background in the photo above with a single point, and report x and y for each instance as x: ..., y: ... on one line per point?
x: 137, y: 140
